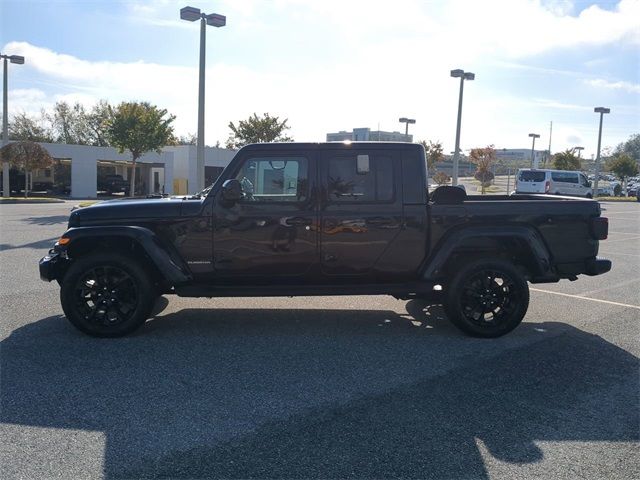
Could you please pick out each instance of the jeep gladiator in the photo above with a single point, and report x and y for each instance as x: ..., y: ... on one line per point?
x: 287, y: 219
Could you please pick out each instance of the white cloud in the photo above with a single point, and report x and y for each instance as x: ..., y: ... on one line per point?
x: 620, y: 85
x: 394, y: 60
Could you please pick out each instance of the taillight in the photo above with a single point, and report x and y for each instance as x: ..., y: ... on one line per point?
x: 547, y: 186
x: 600, y: 228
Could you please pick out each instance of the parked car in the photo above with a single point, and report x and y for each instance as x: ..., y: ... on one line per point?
x: 556, y: 182
x: 111, y: 184
x: 287, y: 219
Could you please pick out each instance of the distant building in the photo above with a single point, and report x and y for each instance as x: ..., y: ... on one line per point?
x: 368, y: 135
x: 520, y: 157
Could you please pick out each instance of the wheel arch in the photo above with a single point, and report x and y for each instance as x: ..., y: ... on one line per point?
x: 521, y: 245
x: 162, y: 261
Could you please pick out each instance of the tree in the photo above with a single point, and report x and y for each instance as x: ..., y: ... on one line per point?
x: 631, y: 147
x: 566, y: 160
x: 188, y: 139
x: 483, y: 159
x: 139, y: 127
x: 69, y: 123
x: 257, y: 129
x: 441, y: 178
x: 623, y: 166
x: 434, y: 153
x: 26, y: 155
x: 30, y: 128
x: 97, y: 123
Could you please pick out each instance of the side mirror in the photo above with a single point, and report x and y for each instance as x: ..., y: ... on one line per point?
x: 232, y: 190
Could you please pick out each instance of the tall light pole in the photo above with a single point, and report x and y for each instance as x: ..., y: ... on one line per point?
x: 462, y: 75
x: 534, y: 164
x: 192, y: 14
x: 406, y: 122
x: 601, y: 111
x: 6, y: 189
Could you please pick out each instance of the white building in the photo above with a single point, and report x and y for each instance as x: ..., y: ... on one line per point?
x: 520, y: 157
x: 171, y: 171
x: 368, y: 135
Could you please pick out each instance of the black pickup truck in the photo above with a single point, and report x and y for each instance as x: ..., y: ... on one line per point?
x: 324, y: 219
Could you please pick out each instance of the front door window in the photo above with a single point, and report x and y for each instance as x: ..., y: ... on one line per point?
x: 274, y: 179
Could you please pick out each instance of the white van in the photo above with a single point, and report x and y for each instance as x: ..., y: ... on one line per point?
x: 556, y: 182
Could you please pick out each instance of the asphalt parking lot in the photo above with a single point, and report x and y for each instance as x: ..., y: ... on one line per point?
x: 364, y: 387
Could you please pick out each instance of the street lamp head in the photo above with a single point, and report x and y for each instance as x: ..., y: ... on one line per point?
x: 190, y: 13
x: 469, y: 76
x: 403, y: 119
x: 16, y: 59
x: 602, y: 110
x: 411, y: 120
x: 216, y: 20
x: 457, y: 73
x: 534, y: 135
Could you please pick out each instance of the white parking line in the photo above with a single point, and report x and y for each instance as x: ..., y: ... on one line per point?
x: 610, y: 287
x: 616, y: 253
x: 585, y: 298
x: 623, y: 233
x: 622, y: 239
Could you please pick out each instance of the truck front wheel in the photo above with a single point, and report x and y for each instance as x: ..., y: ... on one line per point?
x: 107, y: 294
x: 487, y: 298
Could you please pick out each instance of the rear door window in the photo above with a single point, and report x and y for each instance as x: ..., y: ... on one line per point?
x: 531, y: 176
x: 347, y: 184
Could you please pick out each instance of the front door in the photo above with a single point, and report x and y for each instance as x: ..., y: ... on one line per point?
x: 361, y: 211
x: 272, y: 231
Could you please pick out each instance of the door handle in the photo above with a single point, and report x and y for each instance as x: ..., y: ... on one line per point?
x: 298, y: 221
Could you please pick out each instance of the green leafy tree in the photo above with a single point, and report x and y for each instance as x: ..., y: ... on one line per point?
x: 256, y: 129
x: 631, y: 147
x: 97, y: 124
x: 188, y: 139
x: 566, y: 160
x: 623, y: 166
x: 483, y: 158
x: 66, y: 122
x: 434, y: 153
x: 26, y: 155
x: 26, y: 127
x: 139, y: 127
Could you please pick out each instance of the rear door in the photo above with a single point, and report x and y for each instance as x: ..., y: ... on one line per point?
x: 531, y: 181
x: 361, y: 209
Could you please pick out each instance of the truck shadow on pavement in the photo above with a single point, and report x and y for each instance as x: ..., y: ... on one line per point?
x: 48, y: 220
x: 48, y: 243
x: 275, y: 393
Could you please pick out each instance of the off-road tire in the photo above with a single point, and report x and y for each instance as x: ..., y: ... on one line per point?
x: 98, y: 278
x: 487, y: 298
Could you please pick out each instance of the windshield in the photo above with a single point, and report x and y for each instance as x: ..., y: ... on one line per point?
x: 531, y: 176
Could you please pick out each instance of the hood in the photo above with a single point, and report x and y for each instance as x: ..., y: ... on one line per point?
x: 135, y: 209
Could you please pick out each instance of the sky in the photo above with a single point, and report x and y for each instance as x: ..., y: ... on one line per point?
x: 333, y: 65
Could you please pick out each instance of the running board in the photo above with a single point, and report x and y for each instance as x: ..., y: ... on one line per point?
x: 407, y: 290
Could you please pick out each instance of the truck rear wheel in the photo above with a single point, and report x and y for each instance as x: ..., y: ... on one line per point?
x: 487, y: 298
x: 107, y: 295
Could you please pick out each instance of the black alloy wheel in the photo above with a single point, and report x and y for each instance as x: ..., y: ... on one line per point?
x: 487, y: 298
x: 107, y: 295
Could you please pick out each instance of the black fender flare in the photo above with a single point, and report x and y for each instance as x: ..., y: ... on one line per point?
x: 540, y: 256
x: 165, y: 257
